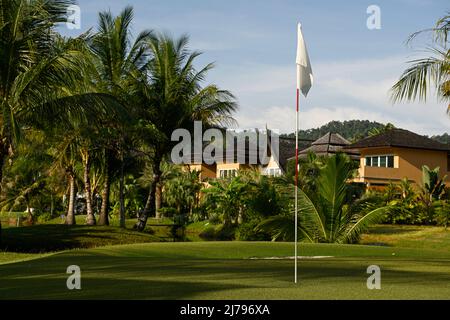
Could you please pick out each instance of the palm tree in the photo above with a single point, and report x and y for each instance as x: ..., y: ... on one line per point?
x: 117, y: 63
x: 228, y: 197
x: 378, y: 130
x: 426, y: 73
x: 42, y: 76
x: 327, y: 215
x: 172, y: 97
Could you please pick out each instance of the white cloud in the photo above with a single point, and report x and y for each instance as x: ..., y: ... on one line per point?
x: 343, y: 90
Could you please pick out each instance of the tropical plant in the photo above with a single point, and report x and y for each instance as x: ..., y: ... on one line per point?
x: 117, y: 63
x: 183, y: 192
x: 228, y: 198
x: 328, y: 215
x: 172, y: 97
x: 433, y: 186
x: 377, y: 130
x: 427, y: 73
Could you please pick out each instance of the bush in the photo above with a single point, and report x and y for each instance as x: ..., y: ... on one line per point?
x: 247, y: 232
x: 222, y: 233
x: 208, y: 234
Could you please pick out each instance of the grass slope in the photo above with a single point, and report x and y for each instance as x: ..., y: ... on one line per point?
x: 56, y: 237
x: 223, y: 270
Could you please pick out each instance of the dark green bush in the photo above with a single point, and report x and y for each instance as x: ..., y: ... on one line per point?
x: 247, y: 232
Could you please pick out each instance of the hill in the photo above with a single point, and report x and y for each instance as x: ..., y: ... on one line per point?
x: 352, y: 130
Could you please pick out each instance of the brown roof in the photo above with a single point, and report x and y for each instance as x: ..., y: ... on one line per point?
x: 329, y: 144
x: 399, y: 138
x: 287, y: 149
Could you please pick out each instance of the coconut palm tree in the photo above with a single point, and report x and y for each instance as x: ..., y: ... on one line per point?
x: 172, y: 97
x: 327, y: 215
x: 40, y: 73
x: 432, y: 72
x: 118, y: 61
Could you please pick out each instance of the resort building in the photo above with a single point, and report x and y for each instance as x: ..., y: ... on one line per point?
x: 397, y: 154
x: 328, y: 145
x: 275, y: 166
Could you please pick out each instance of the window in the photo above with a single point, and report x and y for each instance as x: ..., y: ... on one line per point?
x: 228, y: 173
x: 273, y: 172
x: 384, y: 161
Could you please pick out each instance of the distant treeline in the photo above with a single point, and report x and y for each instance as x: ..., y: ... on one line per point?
x: 352, y: 130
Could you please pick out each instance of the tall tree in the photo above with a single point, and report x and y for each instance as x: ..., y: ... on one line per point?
x: 172, y: 97
x: 42, y: 75
x: 118, y: 62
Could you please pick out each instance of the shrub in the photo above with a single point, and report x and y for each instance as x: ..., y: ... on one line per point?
x: 248, y: 232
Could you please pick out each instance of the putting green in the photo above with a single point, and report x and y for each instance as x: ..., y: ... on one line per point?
x: 225, y: 270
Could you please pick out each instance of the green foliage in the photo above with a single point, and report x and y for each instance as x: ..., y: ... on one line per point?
x: 248, y: 231
x: 429, y: 73
x: 407, y: 205
x: 328, y: 214
x: 432, y: 184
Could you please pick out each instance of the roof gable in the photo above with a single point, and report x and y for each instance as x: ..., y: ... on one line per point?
x: 399, y: 138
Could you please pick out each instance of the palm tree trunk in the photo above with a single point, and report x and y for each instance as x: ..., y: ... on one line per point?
x: 150, y: 204
x: 121, y: 195
x: 70, y: 217
x: 104, y: 211
x: 158, y: 200
x: 90, y: 218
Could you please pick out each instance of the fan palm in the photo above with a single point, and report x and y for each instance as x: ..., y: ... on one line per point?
x: 172, y: 97
x: 327, y: 215
x: 426, y: 73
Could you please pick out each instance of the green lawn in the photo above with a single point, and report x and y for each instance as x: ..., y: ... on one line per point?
x: 225, y: 270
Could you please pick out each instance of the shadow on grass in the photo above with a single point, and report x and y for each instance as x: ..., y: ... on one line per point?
x: 106, y: 277
x: 393, y: 229
x: 56, y: 237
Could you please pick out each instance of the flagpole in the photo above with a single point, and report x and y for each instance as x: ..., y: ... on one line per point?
x: 296, y: 183
x: 304, y: 83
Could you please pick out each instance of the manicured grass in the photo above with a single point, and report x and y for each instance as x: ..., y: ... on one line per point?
x: 224, y: 270
x: 426, y: 237
x: 56, y: 237
x: 9, y: 257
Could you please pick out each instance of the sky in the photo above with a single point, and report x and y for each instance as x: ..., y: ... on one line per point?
x: 253, y: 45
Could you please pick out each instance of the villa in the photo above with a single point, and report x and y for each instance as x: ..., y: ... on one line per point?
x: 276, y: 165
x: 397, y: 154
x: 387, y: 157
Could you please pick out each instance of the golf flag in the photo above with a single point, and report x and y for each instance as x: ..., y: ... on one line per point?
x: 304, y: 83
x: 304, y: 71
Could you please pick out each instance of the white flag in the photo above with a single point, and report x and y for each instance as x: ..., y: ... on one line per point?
x: 304, y: 71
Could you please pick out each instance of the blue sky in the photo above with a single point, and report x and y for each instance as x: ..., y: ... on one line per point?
x: 253, y: 44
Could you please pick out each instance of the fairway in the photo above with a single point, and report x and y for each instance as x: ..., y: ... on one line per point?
x: 229, y: 270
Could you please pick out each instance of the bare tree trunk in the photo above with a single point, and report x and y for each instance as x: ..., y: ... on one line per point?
x: 150, y: 205
x: 158, y: 200
x: 70, y: 217
x: 90, y: 218
x: 121, y: 195
x: 104, y: 211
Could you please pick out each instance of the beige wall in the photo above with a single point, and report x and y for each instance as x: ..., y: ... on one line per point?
x: 407, y: 164
x: 206, y: 170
